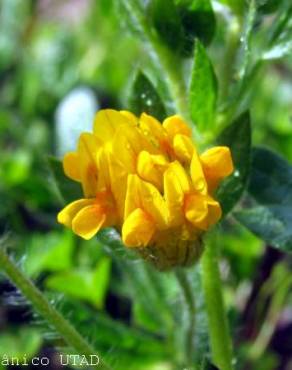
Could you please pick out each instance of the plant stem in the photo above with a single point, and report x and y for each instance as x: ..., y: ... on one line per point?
x: 190, y: 302
x: 170, y: 64
x: 227, y: 70
x: 49, y: 313
x: 220, y: 340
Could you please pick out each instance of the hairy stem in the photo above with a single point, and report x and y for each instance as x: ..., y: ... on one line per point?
x: 220, y: 340
x: 169, y: 63
x: 44, y: 308
x: 227, y: 69
x: 190, y: 302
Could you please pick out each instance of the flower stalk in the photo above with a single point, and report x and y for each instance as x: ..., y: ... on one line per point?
x: 190, y: 302
x: 46, y: 310
x: 220, y: 340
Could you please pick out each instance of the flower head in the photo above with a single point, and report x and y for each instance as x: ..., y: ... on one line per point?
x: 148, y: 181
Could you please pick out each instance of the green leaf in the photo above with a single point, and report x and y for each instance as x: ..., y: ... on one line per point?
x: 203, y: 91
x: 150, y: 289
x: 116, y: 333
x: 15, y: 167
x: 134, y: 348
x: 90, y: 285
x: 54, y: 255
x: 165, y: 19
x: 266, y: 223
x: 144, y: 98
x: 270, y: 218
x: 237, y: 137
x: 25, y: 342
x: 68, y: 189
x: 179, y: 22
x: 152, y: 310
x: 142, y: 318
x: 198, y: 21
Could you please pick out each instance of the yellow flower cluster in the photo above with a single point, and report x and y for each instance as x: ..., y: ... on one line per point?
x: 148, y: 181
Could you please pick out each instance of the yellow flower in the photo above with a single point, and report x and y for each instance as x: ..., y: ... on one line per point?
x: 148, y: 181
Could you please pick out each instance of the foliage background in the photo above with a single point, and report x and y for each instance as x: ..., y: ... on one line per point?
x: 59, y: 63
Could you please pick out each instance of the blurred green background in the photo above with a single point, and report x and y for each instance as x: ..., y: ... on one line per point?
x: 59, y: 62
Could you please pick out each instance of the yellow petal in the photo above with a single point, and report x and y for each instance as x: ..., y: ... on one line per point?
x: 88, y: 221
x: 196, y: 210
x: 151, y: 167
x: 214, y: 213
x: 103, y: 160
x: 118, y: 180
x: 106, y: 122
x: 141, y: 194
x: 112, y: 179
x: 88, y: 147
x: 152, y: 129
x: 138, y: 229
x: 130, y: 116
x: 197, y: 174
x: 123, y: 153
x: 71, y: 166
x: 183, y: 148
x: 217, y: 164
x: 133, y: 199
x: 67, y: 214
x: 202, y: 211
x: 157, y: 135
x: 176, y: 185
x: 175, y: 125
